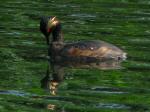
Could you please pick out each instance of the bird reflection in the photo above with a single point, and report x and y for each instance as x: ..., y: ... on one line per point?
x: 55, y: 73
x: 55, y: 107
x: 51, y: 107
x: 52, y: 79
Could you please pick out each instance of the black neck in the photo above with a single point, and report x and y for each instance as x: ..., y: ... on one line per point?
x: 57, y: 34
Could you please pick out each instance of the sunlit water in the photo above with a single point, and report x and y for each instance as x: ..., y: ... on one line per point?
x: 23, y: 56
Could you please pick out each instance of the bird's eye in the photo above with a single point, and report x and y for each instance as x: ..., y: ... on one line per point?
x: 119, y: 58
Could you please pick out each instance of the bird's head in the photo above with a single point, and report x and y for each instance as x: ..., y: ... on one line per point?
x: 48, y: 25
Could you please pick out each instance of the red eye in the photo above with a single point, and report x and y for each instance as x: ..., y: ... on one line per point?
x: 49, y: 30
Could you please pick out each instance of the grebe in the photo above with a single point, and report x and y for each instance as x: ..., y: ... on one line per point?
x: 84, y: 52
x: 93, y: 53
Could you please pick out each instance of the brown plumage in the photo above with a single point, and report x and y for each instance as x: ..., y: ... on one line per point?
x: 87, y: 54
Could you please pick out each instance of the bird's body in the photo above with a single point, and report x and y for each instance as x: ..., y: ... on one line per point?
x: 85, y: 54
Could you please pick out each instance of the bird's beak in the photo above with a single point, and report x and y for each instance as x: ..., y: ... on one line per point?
x: 52, y: 23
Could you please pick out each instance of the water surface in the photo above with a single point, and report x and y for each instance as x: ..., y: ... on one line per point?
x: 23, y: 51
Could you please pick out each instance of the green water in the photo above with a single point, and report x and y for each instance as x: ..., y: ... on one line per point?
x: 23, y: 51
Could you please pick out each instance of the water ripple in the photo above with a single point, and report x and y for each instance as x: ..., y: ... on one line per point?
x: 112, y: 106
x: 14, y: 92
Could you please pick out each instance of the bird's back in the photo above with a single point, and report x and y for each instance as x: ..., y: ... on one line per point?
x: 91, y: 53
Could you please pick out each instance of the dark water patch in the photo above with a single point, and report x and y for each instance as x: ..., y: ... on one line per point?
x: 141, y: 69
x: 142, y: 43
x: 25, y: 102
x: 25, y: 29
x: 33, y: 16
x: 24, y: 53
x: 137, y: 45
x: 2, y: 28
x: 106, y: 33
x: 32, y: 56
x: 142, y: 48
x: 139, y: 59
x: 139, y: 108
x: 7, y: 53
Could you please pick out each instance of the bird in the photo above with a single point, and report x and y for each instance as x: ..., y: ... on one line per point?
x: 81, y: 54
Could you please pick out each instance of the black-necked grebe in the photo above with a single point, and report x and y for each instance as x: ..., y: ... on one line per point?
x: 92, y: 53
x: 84, y: 52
